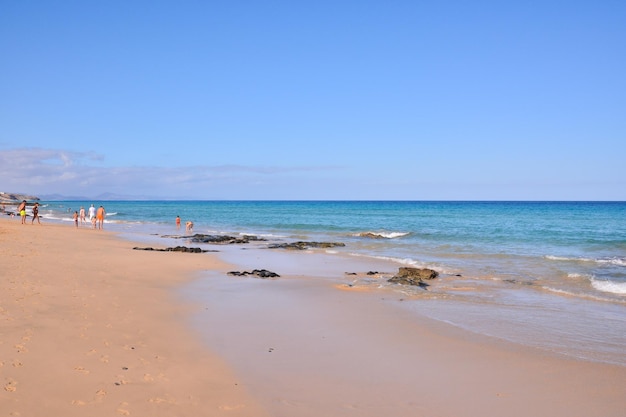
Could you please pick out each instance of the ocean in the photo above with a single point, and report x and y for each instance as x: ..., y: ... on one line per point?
x: 546, y: 274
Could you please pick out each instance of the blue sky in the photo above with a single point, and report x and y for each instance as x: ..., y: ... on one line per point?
x: 409, y: 100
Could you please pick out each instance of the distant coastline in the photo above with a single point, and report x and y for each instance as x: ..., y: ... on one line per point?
x: 15, y: 198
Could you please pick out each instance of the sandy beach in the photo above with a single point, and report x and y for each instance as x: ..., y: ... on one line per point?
x: 92, y: 327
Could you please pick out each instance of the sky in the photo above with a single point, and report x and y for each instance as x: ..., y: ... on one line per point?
x: 314, y: 100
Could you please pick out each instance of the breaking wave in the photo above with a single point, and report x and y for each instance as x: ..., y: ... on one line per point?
x: 619, y: 261
x: 382, y: 235
x: 609, y: 286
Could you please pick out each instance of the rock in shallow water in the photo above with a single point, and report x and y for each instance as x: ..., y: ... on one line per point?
x: 413, y: 276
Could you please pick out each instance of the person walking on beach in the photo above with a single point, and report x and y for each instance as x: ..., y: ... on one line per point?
x: 100, y: 217
x: 92, y: 212
x: 75, y: 217
x: 82, y: 215
x: 22, y: 210
x: 177, y: 222
x: 35, y: 214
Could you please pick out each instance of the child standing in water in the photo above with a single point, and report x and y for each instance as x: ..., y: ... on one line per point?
x: 75, y: 217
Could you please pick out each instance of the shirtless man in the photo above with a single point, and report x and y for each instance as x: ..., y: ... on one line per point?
x: 189, y: 226
x: 100, y: 214
x: 22, y: 210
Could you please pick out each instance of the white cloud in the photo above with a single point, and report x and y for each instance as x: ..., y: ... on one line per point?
x: 48, y: 171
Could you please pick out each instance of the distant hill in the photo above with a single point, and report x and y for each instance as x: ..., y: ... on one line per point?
x: 13, y: 198
x: 99, y: 197
x: 59, y: 197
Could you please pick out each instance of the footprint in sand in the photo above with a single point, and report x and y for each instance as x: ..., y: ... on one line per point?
x: 123, y: 411
x: 17, y: 363
x: 11, y: 386
x: 100, y: 394
x: 81, y: 370
x: 159, y: 400
x: 231, y: 407
x: 20, y: 348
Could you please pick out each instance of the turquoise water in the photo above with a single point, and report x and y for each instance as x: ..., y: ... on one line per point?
x: 561, y: 263
x: 521, y: 240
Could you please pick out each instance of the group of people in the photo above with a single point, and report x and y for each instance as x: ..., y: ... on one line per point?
x: 96, y: 217
x: 22, y: 210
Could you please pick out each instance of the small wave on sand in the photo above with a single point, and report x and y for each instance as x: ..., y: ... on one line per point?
x: 382, y: 235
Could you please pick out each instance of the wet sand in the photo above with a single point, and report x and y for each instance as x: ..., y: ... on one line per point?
x: 307, y: 346
x: 92, y: 327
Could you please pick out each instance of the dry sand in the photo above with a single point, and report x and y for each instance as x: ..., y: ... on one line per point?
x: 91, y: 327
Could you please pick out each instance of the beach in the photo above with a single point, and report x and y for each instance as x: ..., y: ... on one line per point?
x: 92, y: 327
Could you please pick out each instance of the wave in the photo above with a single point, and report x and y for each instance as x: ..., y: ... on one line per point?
x: 580, y: 295
x: 619, y: 261
x: 382, y: 235
x: 613, y: 261
x: 609, y: 286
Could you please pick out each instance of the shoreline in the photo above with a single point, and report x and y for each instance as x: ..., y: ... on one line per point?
x: 308, y: 348
x: 84, y: 327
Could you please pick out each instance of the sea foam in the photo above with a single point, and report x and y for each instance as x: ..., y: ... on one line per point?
x: 609, y: 286
x: 384, y: 235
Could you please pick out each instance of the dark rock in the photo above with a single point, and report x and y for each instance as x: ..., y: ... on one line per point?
x: 185, y: 249
x: 370, y: 235
x: 372, y: 273
x: 176, y: 249
x: 414, y: 276
x: 261, y: 273
x: 224, y: 240
x: 305, y: 245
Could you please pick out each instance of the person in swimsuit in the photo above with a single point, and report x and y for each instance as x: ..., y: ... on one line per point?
x: 75, y: 217
x: 178, y: 222
x: 35, y: 214
x: 82, y: 215
x: 22, y: 210
x: 100, y: 217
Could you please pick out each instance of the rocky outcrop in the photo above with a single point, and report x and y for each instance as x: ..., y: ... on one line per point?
x: 414, y: 276
x: 305, y: 245
x: 13, y: 198
x: 261, y: 273
x: 225, y: 240
x: 370, y: 235
x: 175, y: 249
